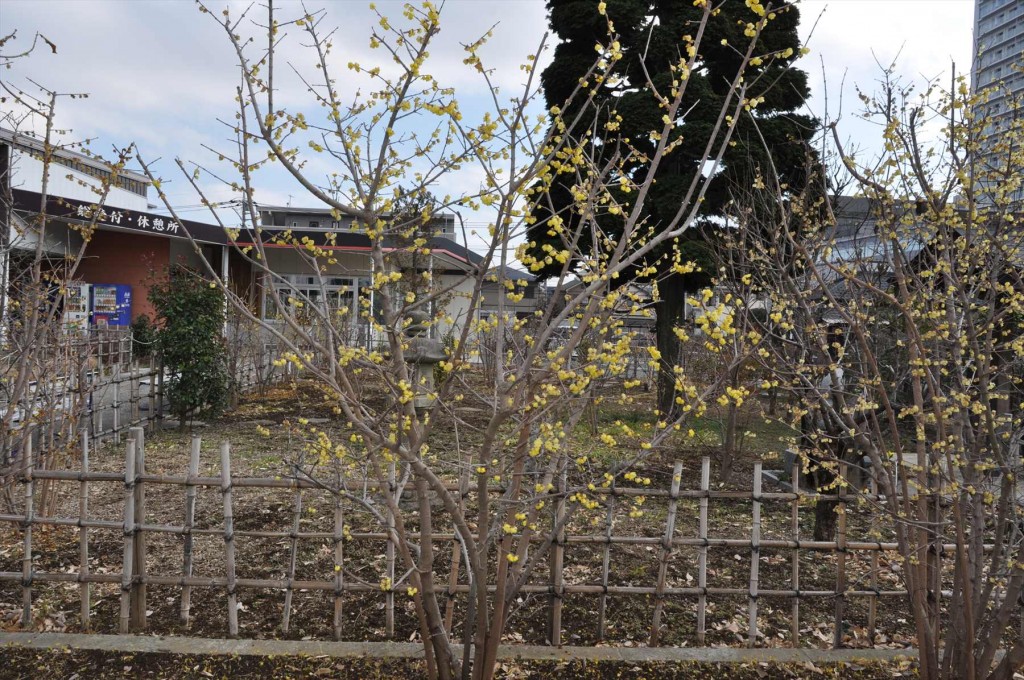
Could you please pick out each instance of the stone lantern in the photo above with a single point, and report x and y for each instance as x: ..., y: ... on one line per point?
x: 423, y: 354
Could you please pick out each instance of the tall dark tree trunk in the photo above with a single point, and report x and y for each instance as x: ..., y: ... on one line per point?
x: 819, y: 478
x: 670, y: 308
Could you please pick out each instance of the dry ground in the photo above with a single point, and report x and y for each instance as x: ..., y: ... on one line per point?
x: 260, y: 616
x: 28, y: 664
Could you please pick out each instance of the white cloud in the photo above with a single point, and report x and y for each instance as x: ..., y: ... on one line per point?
x: 161, y: 74
x: 853, y: 40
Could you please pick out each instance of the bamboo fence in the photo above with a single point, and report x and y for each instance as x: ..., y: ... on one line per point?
x: 553, y: 583
x: 94, y: 384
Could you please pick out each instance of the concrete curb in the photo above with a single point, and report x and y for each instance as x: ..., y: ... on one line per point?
x: 412, y: 650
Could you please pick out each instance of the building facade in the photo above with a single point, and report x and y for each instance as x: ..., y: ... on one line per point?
x: 130, y: 245
x: 299, y: 280
x: 105, y: 242
x: 998, y: 71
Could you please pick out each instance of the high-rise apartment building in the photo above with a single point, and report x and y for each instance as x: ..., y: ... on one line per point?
x: 999, y: 51
x: 998, y: 70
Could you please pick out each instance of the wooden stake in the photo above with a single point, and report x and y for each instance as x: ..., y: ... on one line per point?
x: 453, y: 574
x: 293, y: 553
x: 702, y: 550
x: 873, y: 600
x: 666, y: 553
x: 606, y: 560
x: 339, y: 554
x: 556, y: 562
x: 139, y: 603
x: 83, y: 532
x: 840, y: 559
x: 26, y: 561
x: 190, y: 520
x: 129, y: 536
x: 755, y: 555
x: 229, y: 537
x: 795, y: 519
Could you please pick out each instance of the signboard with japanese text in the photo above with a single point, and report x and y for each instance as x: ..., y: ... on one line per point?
x: 118, y: 218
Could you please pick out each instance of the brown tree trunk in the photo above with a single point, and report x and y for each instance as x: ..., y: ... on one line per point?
x: 731, y: 430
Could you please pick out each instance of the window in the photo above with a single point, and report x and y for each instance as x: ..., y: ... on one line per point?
x: 300, y: 292
x: 314, y: 224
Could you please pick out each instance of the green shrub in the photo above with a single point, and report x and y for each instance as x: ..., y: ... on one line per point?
x: 143, y: 336
x: 190, y: 319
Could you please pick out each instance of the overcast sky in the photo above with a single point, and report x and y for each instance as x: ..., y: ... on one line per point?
x: 160, y: 74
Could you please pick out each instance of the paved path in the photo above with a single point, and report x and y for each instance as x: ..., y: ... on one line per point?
x: 411, y: 650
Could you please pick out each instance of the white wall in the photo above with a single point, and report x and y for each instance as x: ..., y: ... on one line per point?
x: 458, y: 304
x: 59, y: 240
x: 289, y: 261
x: 27, y: 174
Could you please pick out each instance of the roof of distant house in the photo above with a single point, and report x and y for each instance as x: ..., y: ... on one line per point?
x: 511, y: 274
x: 36, y: 146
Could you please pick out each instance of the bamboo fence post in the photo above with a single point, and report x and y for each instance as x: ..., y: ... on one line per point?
x: 840, y: 558
x: 606, y: 560
x: 666, y: 553
x: 26, y: 561
x: 97, y: 382
x: 83, y: 400
x: 129, y: 535
x: 755, y: 554
x: 139, y: 603
x: 293, y: 552
x: 453, y: 574
x: 159, y: 415
x: 339, y: 554
x: 135, y: 395
x: 92, y: 403
x: 83, y: 532
x: 873, y: 600
x: 229, y: 537
x: 190, y: 520
x: 557, y: 561
x: 795, y: 519
x: 702, y: 550
x: 116, y: 422
x: 389, y: 554
x: 152, y: 389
